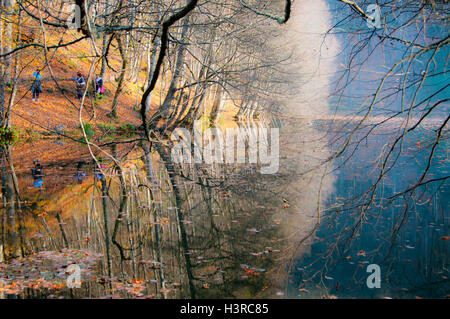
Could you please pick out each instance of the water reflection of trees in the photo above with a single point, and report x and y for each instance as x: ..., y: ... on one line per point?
x: 9, y: 221
x: 163, y: 229
x: 167, y: 230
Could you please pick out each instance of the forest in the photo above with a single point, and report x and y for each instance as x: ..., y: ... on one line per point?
x: 199, y: 149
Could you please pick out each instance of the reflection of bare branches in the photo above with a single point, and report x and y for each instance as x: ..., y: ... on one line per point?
x: 287, y: 12
x: 357, y: 9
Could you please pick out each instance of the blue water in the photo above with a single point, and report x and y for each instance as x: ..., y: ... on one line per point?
x: 404, y: 236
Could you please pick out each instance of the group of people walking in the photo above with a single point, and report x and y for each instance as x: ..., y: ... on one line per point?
x: 81, y: 86
x: 80, y: 82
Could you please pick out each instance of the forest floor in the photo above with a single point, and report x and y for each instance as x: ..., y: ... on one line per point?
x: 54, y: 109
x: 37, y: 121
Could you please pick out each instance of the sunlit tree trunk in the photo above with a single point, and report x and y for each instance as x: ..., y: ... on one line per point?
x: 166, y: 106
x: 124, y: 54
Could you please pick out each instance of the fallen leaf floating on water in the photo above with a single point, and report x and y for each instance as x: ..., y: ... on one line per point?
x: 252, y: 270
x: 303, y: 290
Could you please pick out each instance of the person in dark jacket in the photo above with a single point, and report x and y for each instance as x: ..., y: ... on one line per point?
x: 99, y: 89
x: 81, y: 84
x: 36, y: 87
x: 38, y: 173
x: 81, y: 173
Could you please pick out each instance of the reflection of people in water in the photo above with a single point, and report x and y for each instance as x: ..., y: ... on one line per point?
x: 98, y: 173
x: 37, y: 172
x: 81, y: 173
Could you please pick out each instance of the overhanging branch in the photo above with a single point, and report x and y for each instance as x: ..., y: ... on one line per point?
x: 162, y: 52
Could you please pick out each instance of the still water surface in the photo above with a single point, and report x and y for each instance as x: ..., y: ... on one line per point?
x: 223, y: 231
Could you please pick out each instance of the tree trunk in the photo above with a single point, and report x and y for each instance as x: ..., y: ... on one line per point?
x: 165, y: 107
x: 9, y: 8
x: 151, y: 69
x: 124, y: 55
